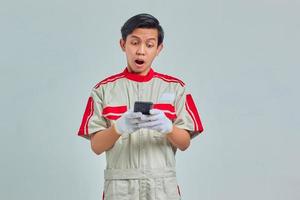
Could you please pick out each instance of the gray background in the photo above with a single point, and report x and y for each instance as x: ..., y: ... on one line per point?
x: 240, y: 59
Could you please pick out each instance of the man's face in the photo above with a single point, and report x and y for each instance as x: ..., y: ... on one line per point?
x: 141, y: 48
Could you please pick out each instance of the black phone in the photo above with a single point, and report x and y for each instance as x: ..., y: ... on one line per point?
x: 143, y: 107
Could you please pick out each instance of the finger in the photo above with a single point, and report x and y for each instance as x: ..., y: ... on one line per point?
x: 145, y: 117
x: 151, y: 118
x: 135, y: 126
x: 134, y: 115
x: 148, y: 124
x: 134, y: 121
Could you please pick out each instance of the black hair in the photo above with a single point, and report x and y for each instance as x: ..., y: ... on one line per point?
x: 142, y: 21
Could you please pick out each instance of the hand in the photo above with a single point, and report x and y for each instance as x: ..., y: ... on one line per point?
x: 158, y: 121
x: 128, y: 122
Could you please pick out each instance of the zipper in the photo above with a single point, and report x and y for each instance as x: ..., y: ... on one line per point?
x: 139, y: 134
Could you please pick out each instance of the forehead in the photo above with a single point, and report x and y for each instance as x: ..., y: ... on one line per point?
x: 144, y: 34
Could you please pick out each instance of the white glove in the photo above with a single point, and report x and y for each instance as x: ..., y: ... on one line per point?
x: 158, y: 121
x: 128, y: 122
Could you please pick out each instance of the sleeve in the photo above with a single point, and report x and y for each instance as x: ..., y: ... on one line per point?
x: 188, y: 117
x: 92, y: 120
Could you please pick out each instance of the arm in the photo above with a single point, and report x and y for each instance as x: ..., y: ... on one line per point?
x: 179, y: 138
x: 105, y: 140
x: 158, y: 121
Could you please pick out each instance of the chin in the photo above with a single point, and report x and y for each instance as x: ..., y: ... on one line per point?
x: 139, y: 69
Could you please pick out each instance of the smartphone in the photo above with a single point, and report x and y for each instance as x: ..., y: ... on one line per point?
x: 143, y: 107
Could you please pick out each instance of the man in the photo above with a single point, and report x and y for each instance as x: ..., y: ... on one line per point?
x: 140, y: 149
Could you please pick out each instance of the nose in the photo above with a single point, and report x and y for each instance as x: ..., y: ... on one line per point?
x: 141, y: 50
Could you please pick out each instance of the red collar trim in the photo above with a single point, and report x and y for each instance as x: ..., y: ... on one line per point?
x: 137, y: 77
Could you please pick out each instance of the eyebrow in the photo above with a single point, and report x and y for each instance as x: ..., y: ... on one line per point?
x: 136, y: 37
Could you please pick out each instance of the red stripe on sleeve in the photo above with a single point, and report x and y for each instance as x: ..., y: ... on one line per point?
x: 89, y: 110
x: 193, y: 111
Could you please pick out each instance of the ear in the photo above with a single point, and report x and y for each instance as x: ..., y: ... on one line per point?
x: 159, y: 48
x: 122, y: 44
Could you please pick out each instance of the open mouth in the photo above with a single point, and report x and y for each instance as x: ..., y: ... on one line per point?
x: 139, y: 62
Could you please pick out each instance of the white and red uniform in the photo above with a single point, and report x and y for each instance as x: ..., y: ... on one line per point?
x: 141, y: 165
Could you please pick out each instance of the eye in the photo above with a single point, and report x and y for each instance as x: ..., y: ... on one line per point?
x: 150, y: 45
x: 134, y: 42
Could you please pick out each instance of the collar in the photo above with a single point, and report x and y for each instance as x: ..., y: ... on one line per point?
x: 137, y: 77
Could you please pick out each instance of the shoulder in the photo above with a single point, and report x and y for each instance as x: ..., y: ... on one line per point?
x: 168, y: 78
x: 110, y: 79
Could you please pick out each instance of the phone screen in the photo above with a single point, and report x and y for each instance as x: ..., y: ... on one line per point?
x: 143, y: 107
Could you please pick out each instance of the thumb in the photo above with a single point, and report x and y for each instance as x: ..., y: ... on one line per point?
x: 155, y: 111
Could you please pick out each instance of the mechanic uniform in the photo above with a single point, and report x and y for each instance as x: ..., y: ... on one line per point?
x: 141, y: 165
